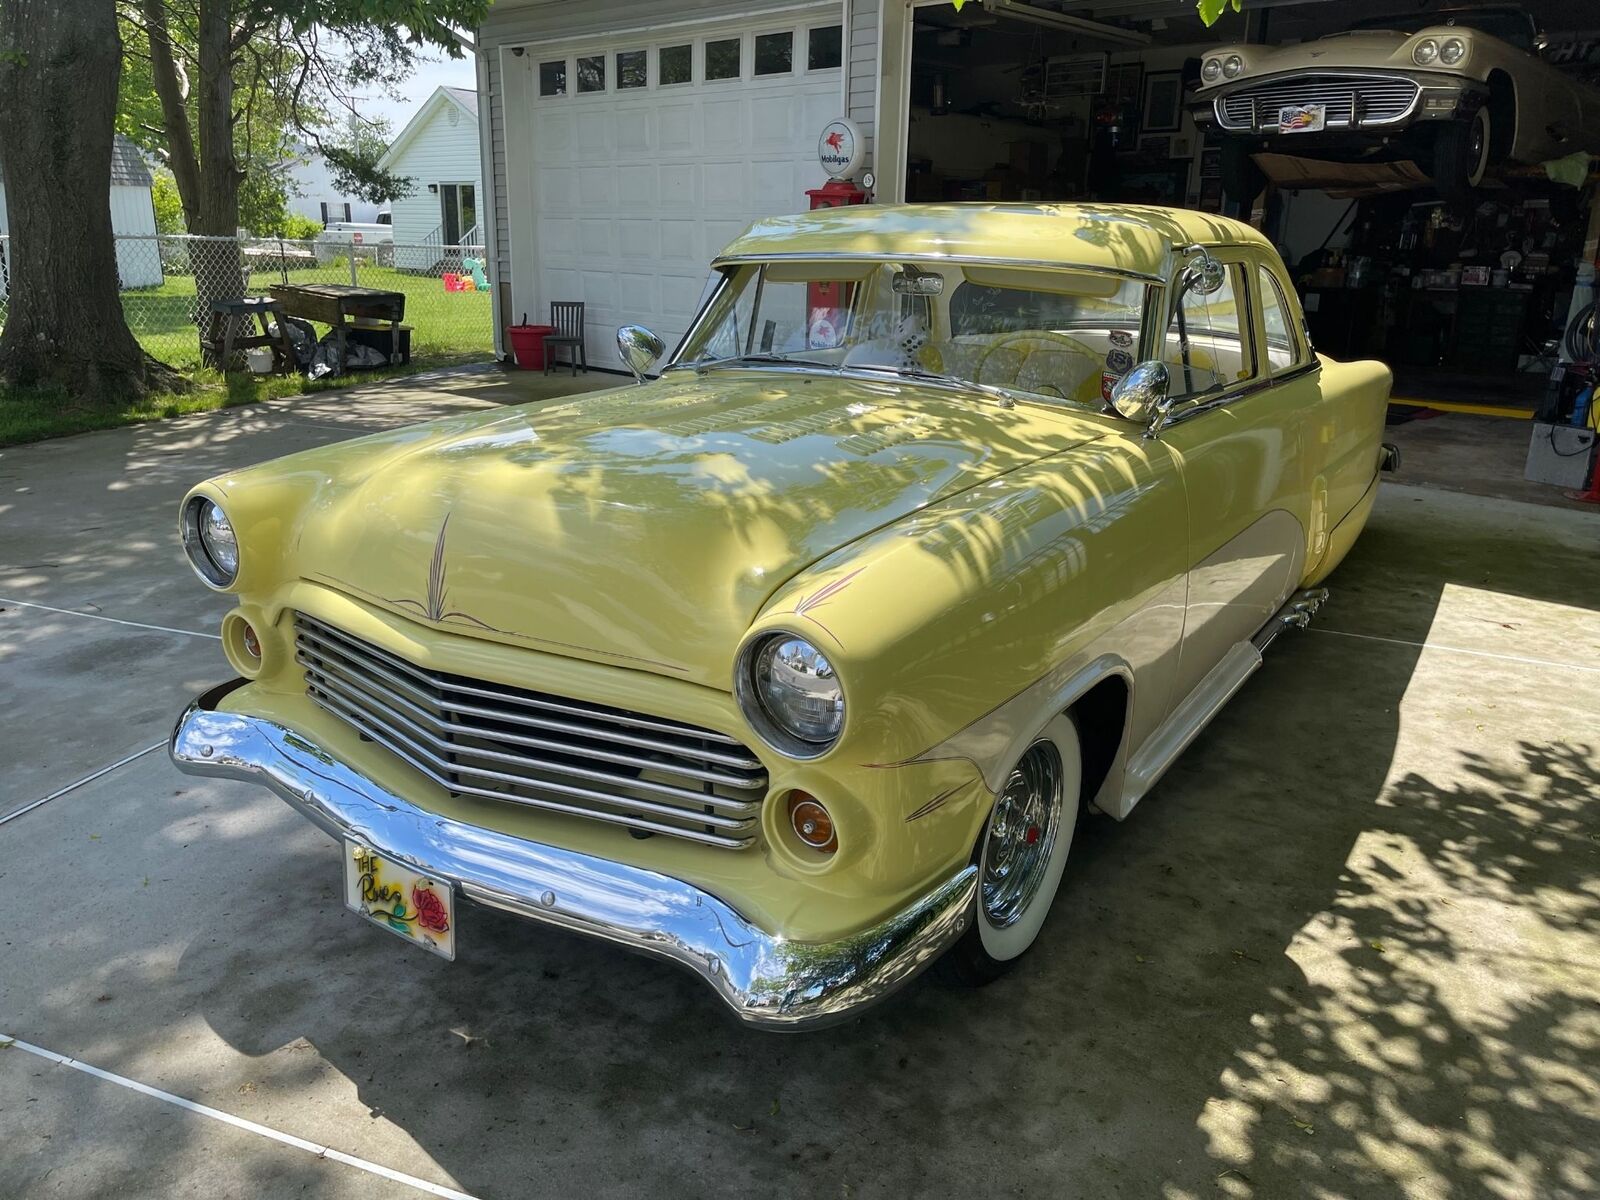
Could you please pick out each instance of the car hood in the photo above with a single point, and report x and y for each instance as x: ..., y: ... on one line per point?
x: 647, y: 526
x: 1365, y: 48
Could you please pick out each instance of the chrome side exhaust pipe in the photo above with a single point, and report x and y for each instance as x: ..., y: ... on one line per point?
x: 1295, y: 614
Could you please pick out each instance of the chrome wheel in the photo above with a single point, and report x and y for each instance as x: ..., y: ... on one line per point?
x: 1022, y: 835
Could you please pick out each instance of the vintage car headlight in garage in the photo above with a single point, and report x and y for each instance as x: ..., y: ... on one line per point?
x: 1232, y: 66
x: 790, y: 694
x: 1425, y: 52
x: 209, y: 540
x: 1452, y: 51
x: 1212, y: 71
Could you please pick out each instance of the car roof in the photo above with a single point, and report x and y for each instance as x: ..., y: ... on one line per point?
x: 1133, y: 239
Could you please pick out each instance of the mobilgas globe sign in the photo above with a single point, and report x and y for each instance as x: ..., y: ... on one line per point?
x: 839, y: 149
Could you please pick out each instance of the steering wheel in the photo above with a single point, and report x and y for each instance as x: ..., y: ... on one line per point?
x: 1034, y: 336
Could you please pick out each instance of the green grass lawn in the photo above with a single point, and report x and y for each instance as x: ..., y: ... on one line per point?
x: 443, y: 323
x: 447, y: 328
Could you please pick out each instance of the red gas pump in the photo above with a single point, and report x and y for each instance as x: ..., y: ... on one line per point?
x: 830, y: 301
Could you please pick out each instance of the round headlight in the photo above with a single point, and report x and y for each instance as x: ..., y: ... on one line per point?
x: 209, y: 540
x: 1426, y: 51
x: 1232, y: 66
x: 1212, y: 71
x: 791, y: 695
x: 1452, y: 52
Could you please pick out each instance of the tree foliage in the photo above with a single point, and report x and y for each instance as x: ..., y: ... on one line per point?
x: 1211, y: 10
x: 226, y: 92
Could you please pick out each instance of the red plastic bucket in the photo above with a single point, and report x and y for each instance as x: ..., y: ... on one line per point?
x: 527, y: 343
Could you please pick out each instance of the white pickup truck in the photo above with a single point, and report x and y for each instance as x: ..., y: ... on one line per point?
x: 337, y: 237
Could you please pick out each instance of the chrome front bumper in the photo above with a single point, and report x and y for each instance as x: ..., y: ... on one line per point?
x: 766, y: 980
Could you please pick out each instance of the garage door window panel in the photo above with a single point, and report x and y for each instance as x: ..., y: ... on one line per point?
x: 674, y: 65
x: 632, y: 69
x: 824, y: 47
x: 774, y: 53
x: 553, y: 77
x: 723, y: 59
x: 591, y: 73
x: 1210, y: 346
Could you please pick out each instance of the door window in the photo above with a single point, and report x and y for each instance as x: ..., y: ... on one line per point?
x: 1209, y: 344
x: 1283, y: 347
x: 458, y: 203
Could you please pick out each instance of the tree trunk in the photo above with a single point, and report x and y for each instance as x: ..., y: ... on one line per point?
x: 171, y: 91
x: 218, y: 266
x: 58, y: 98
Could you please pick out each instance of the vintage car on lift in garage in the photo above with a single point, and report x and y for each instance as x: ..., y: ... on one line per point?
x: 799, y: 664
x: 1456, y: 90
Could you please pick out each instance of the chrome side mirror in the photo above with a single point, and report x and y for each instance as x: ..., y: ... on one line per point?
x: 639, y: 350
x: 1203, y: 276
x: 1143, y: 396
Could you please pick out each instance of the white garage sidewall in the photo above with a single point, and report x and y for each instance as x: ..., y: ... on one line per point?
x: 1011, y: 941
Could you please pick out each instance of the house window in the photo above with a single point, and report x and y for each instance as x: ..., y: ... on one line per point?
x: 335, y: 212
x: 674, y: 64
x: 824, y: 47
x: 458, y: 214
x: 774, y: 53
x: 631, y: 66
x: 553, y: 78
x: 722, y: 59
x: 592, y: 73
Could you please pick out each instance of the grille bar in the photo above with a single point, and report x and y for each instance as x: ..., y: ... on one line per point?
x: 1369, y: 100
x: 526, y: 748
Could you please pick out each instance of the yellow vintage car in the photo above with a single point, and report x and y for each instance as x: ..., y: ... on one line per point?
x: 798, y: 665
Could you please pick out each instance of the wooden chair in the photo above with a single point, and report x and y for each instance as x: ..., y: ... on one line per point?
x: 567, y: 317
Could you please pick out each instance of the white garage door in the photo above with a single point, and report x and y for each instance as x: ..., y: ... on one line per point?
x: 650, y: 154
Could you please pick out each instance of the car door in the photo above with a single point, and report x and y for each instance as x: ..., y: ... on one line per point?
x: 1238, y: 434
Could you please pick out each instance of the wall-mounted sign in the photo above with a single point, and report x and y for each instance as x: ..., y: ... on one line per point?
x: 840, y: 148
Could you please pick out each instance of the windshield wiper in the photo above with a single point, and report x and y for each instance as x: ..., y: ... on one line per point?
x: 1005, y: 398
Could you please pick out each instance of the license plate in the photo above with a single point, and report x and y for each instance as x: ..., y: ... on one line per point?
x: 1303, y: 118
x: 416, y: 907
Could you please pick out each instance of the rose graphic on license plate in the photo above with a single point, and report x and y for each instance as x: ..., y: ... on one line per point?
x: 404, y: 902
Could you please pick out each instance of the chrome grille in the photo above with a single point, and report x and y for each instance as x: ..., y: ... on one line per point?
x: 1375, y: 99
x: 484, y: 739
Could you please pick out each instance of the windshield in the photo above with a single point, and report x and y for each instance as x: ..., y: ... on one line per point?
x: 1054, y: 334
x: 1509, y: 26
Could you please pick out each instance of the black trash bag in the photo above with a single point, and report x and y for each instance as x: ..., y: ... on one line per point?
x: 325, y: 359
x: 302, y: 339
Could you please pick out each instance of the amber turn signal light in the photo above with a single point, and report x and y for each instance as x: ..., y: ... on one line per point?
x: 812, y: 824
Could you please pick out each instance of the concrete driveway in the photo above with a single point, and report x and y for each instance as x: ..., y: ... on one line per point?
x: 1350, y: 946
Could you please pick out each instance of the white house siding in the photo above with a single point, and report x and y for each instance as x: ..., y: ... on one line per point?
x: 442, y: 151
x: 861, y: 70
x: 311, y: 186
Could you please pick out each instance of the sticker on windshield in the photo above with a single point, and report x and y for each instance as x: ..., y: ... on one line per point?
x: 823, y: 334
x: 1108, y: 380
x: 1121, y: 337
x: 1119, y: 361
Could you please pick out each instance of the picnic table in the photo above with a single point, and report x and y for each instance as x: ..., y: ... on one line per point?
x: 344, y: 307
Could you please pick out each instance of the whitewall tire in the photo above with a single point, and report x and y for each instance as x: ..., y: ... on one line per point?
x: 1021, y: 854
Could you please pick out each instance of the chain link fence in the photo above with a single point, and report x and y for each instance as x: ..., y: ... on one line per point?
x: 167, y: 281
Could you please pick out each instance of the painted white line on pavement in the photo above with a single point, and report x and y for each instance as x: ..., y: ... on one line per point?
x: 1516, y: 658
x: 71, y: 787
x: 72, y: 612
x: 288, y: 1139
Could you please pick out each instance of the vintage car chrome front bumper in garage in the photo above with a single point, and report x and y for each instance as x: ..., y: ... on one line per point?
x: 765, y: 979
